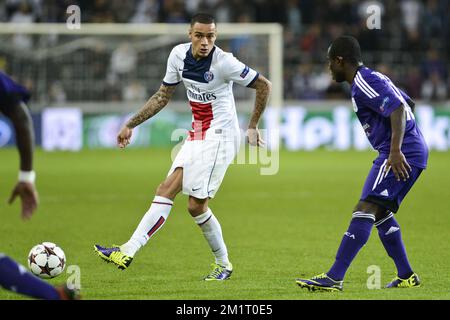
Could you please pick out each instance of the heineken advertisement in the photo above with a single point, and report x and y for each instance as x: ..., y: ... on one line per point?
x: 293, y: 127
x: 339, y: 129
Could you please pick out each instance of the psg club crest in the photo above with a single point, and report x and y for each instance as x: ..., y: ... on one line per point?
x: 208, y: 76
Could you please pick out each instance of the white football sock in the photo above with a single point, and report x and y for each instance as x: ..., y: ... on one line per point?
x: 213, y: 234
x: 151, y: 222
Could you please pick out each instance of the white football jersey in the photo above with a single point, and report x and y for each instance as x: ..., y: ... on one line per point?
x: 209, y: 88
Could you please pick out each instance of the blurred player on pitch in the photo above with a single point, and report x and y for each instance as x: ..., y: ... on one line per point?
x: 208, y: 74
x: 13, y: 276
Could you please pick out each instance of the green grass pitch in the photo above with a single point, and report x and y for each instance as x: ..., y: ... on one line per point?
x: 276, y: 227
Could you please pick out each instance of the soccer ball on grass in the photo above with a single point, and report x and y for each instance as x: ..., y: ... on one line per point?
x: 46, y: 260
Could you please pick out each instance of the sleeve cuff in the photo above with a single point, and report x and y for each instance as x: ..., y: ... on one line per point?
x: 170, y: 84
x: 27, y: 176
x: 254, y: 79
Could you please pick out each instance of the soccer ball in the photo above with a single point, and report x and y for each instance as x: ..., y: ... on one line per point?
x: 46, y: 260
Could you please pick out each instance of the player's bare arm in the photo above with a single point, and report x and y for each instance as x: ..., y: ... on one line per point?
x: 263, y: 88
x: 24, y: 189
x: 22, y: 123
x: 397, y: 161
x: 155, y: 104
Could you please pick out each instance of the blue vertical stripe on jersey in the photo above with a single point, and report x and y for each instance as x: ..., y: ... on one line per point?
x: 195, y: 69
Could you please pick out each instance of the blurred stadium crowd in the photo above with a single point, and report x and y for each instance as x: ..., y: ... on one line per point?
x: 411, y: 46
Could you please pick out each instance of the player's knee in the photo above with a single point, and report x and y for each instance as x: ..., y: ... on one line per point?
x: 380, y: 215
x: 194, y: 209
x: 197, y: 207
x: 371, y: 208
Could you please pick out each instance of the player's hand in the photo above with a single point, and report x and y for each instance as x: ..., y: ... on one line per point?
x: 254, y: 137
x: 28, y: 196
x: 400, y: 167
x: 124, y: 136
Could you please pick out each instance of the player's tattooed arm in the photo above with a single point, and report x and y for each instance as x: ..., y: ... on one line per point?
x: 263, y: 88
x: 155, y: 104
x: 158, y: 101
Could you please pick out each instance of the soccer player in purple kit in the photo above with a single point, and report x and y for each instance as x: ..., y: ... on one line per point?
x: 388, y: 121
x: 13, y: 276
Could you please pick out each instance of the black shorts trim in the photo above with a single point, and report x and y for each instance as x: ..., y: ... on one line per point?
x: 390, y: 205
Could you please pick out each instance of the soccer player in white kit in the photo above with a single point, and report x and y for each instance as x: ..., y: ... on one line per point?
x: 208, y: 74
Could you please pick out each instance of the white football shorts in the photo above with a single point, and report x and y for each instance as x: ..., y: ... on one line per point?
x: 204, y: 164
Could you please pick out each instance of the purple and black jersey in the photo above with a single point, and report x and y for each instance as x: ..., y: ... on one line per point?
x: 374, y: 98
x: 11, y: 92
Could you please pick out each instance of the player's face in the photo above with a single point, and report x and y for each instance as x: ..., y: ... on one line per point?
x: 202, y: 37
x: 336, y: 67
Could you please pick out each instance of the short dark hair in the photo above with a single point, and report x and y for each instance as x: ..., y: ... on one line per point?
x: 205, y: 18
x: 346, y: 47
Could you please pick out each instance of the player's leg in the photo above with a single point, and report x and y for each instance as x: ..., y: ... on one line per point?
x: 150, y: 223
x: 353, y: 240
x: 15, y: 277
x: 212, y: 231
x: 382, y: 194
x: 157, y: 214
x: 391, y: 238
x: 203, y: 176
x: 389, y: 230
